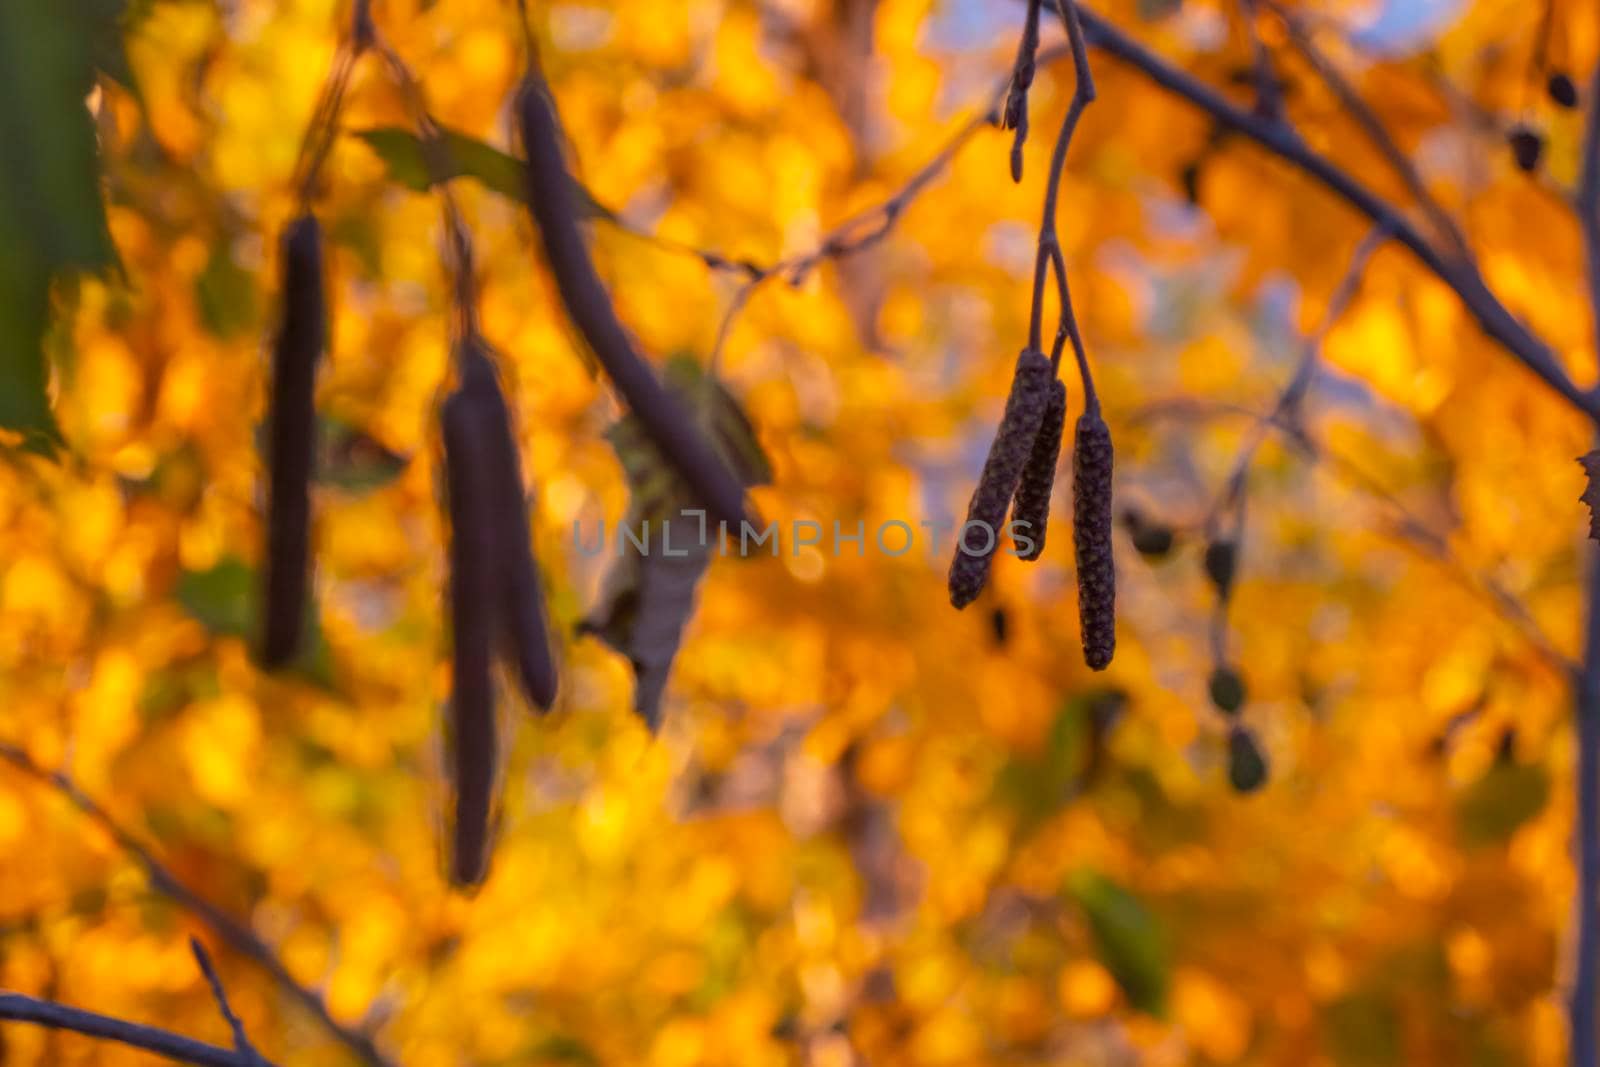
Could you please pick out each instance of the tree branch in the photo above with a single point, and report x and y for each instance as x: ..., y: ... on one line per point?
x: 1281, y: 140
x: 19, y: 1008
x: 1584, y: 1041
x: 1373, y: 127
x: 230, y: 930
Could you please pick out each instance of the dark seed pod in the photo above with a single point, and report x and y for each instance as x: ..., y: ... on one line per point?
x: 1527, y: 146
x: 1153, y: 540
x: 1091, y: 537
x: 1227, y: 690
x: 523, y: 633
x: 1008, y: 455
x: 1562, y: 90
x: 1247, y: 767
x: 475, y: 592
x: 1221, y: 560
x: 292, y: 440
x: 1039, y: 476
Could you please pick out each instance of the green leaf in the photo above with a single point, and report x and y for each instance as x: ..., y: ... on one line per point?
x: 51, y: 215
x: 353, y: 460
x: 1507, y: 795
x: 222, y: 598
x: 465, y: 156
x: 563, y: 1048
x: 1363, y: 1030
x: 1127, y: 938
x: 226, y: 295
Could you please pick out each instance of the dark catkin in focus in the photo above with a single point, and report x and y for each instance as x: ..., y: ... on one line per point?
x: 1091, y: 537
x: 1002, y: 469
x: 1032, y: 509
x: 474, y: 611
x: 292, y: 442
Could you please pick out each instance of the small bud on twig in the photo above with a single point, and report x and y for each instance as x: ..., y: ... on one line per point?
x: 1227, y: 690
x: 1151, y: 539
x: 1562, y: 90
x: 1247, y: 766
x: 1221, y: 560
x: 1527, y: 146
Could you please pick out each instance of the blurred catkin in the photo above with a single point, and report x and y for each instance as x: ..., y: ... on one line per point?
x: 523, y: 632
x: 1008, y: 455
x: 1091, y: 536
x: 475, y: 589
x: 1032, y: 509
x: 292, y: 437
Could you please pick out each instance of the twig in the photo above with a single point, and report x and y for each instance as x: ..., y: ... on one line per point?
x: 241, y: 1041
x: 1049, y: 255
x: 1406, y: 525
x: 1286, y: 409
x: 1492, y: 316
x: 1015, y: 114
x: 225, y: 926
x: 323, y: 129
x: 436, y: 158
x: 1373, y: 127
x: 1269, y: 96
x: 19, y: 1008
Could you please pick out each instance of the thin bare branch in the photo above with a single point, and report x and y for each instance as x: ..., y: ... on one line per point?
x: 24, y: 1009
x: 241, y: 1041
x: 1286, y: 409
x: 1049, y: 256
x: 1492, y: 316
x: 1358, y: 109
x: 237, y: 936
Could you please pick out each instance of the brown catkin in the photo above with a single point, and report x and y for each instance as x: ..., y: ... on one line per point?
x: 1008, y: 455
x: 475, y: 590
x: 292, y: 442
x: 523, y: 632
x: 1032, y: 509
x: 1091, y: 536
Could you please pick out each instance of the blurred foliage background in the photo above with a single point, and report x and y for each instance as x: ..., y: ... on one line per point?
x: 872, y: 829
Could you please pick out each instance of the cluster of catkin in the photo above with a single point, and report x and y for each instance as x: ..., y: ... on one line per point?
x: 1019, y: 474
x: 495, y: 597
x: 496, y: 602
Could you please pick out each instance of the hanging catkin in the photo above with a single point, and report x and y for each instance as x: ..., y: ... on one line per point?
x: 1091, y: 536
x: 292, y: 442
x: 523, y: 633
x: 1032, y: 508
x: 475, y: 598
x: 1008, y: 455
